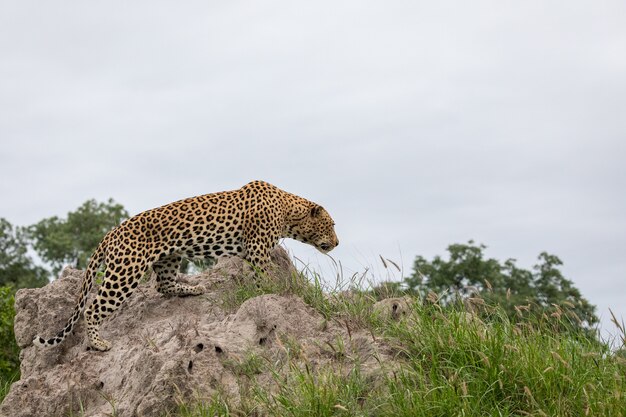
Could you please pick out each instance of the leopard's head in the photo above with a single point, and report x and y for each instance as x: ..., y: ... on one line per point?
x: 316, y: 228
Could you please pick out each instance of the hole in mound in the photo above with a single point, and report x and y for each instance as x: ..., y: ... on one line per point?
x: 101, y: 384
x: 262, y: 341
x: 198, y: 348
x: 218, y: 349
x: 190, y: 366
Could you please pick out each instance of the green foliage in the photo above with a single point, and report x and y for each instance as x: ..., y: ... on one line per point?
x: 72, y: 240
x: 9, y: 351
x: 467, y: 272
x: 16, y: 267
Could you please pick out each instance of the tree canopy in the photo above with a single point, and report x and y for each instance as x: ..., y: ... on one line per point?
x: 17, y: 269
x: 72, y: 240
x: 468, y: 272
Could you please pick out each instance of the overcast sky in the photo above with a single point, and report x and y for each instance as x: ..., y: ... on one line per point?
x: 417, y: 124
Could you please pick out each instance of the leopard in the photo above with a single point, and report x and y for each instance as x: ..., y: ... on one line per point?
x: 247, y: 222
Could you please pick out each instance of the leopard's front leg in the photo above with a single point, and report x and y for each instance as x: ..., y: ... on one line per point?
x: 259, y: 261
x: 258, y: 244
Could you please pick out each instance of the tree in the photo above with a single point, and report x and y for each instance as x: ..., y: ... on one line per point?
x: 72, y: 240
x: 467, y: 272
x: 17, y: 269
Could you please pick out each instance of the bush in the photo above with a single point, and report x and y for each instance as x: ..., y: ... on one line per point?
x: 9, y: 351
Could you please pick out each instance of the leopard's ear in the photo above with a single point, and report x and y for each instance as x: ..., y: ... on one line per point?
x: 316, y: 211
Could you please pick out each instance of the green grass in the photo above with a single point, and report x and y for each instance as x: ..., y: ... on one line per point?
x: 251, y: 364
x: 5, y: 384
x: 296, y: 283
x: 326, y: 392
x: 216, y: 407
x: 453, y: 368
x: 443, y: 362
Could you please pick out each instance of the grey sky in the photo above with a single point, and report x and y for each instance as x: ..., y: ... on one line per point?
x: 417, y: 124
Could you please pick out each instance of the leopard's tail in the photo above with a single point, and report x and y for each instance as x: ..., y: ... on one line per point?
x: 94, y: 263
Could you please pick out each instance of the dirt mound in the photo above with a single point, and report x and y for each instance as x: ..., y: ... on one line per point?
x: 165, y: 349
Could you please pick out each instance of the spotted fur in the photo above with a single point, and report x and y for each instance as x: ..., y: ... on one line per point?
x: 247, y: 222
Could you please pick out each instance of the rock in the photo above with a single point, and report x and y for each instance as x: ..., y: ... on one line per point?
x: 393, y: 308
x: 164, y: 349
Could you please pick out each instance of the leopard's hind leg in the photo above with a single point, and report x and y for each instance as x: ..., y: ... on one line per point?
x: 115, y: 288
x: 166, y: 270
